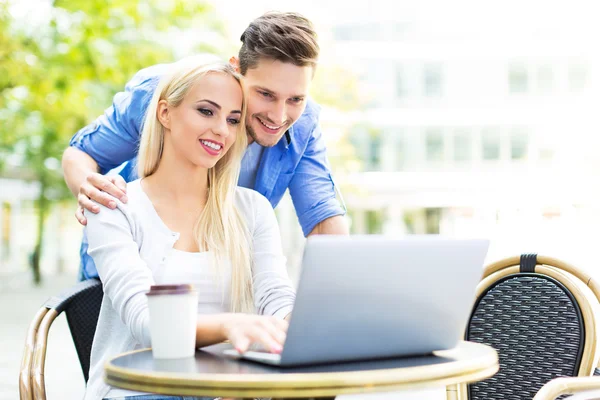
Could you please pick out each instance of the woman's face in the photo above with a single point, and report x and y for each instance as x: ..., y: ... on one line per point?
x: 204, y: 126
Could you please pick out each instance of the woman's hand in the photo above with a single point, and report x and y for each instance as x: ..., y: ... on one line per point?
x: 242, y: 330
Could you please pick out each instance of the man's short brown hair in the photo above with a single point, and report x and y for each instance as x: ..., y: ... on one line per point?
x: 286, y: 37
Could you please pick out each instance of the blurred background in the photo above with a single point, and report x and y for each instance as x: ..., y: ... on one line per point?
x: 463, y: 118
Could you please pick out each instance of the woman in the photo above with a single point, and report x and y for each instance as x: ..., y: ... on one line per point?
x: 186, y: 221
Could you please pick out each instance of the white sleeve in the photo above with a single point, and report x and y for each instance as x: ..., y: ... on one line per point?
x: 273, y: 290
x: 125, y: 276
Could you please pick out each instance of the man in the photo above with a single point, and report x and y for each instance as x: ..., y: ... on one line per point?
x: 286, y: 151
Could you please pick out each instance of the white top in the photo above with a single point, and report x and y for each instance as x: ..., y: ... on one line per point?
x: 196, y: 268
x: 133, y: 249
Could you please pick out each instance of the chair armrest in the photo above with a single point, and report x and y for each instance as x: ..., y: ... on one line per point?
x: 54, y: 306
x: 560, y: 386
x: 60, y: 301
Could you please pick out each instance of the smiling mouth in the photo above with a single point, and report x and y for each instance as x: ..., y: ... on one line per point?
x: 210, y: 147
x: 270, y: 128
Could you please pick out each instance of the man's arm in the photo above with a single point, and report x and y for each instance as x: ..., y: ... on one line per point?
x: 106, y: 143
x: 84, y: 181
x: 331, y: 226
x: 313, y: 190
x: 77, y: 165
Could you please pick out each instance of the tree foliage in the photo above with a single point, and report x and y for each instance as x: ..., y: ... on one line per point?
x: 58, y: 75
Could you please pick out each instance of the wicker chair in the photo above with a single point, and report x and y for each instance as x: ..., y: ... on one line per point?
x: 584, y: 387
x: 81, y: 304
x: 537, y: 312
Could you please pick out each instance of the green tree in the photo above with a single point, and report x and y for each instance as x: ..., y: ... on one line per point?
x: 57, y: 77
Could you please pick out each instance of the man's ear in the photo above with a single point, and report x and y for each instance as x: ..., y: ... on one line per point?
x: 162, y: 114
x: 235, y: 63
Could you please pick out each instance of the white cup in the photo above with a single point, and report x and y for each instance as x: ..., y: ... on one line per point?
x: 173, y: 310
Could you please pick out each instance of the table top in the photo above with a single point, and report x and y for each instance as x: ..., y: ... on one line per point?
x: 211, y: 374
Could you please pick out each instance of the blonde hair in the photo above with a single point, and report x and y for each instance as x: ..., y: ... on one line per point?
x: 220, y: 227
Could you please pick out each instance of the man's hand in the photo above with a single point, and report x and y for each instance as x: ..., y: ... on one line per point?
x: 102, y: 189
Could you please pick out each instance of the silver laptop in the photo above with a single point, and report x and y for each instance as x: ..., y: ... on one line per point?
x: 368, y: 297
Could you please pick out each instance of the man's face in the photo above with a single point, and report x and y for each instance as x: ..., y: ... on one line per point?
x: 277, y: 94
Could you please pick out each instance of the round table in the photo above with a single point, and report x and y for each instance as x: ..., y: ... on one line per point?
x: 211, y: 374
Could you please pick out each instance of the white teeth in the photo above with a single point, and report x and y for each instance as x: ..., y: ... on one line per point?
x: 212, y: 145
x: 268, y: 126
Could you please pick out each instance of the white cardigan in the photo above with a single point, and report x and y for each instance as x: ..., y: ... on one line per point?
x: 130, y: 246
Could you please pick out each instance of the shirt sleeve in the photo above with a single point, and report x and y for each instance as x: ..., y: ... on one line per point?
x: 312, y: 188
x: 113, y: 137
x: 125, y: 276
x: 273, y: 291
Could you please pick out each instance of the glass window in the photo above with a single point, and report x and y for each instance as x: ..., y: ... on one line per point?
x: 578, y: 77
x: 519, y: 144
x: 432, y: 220
x: 490, y: 142
x: 359, y: 138
x: 434, y: 145
x: 400, y: 151
x: 545, y: 78
x: 374, y: 150
x: 432, y: 80
x: 401, y: 82
x: 518, y: 80
x: 374, y: 221
x: 462, y: 145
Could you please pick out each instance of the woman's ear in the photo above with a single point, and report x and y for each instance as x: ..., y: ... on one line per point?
x: 162, y: 113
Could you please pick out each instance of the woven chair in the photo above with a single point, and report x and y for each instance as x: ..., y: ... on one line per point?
x: 584, y: 387
x: 537, y: 312
x: 81, y: 304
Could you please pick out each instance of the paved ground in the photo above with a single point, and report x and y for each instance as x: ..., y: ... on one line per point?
x: 19, y: 301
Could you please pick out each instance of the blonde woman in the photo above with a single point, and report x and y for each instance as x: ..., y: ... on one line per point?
x: 186, y: 221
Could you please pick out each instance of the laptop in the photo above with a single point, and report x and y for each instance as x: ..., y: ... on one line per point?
x: 369, y: 297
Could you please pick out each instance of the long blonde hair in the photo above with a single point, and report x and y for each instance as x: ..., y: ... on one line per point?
x: 220, y: 228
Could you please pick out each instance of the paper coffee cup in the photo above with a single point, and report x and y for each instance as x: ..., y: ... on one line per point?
x: 173, y: 310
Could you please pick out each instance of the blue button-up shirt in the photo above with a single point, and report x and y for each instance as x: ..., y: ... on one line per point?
x: 298, y: 162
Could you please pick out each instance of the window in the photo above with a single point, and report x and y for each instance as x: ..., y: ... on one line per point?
x: 401, y: 82
x: 359, y: 138
x: 578, y: 77
x: 490, y: 142
x: 545, y: 79
x: 434, y: 145
x: 374, y: 221
x: 462, y: 146
x: 400, y: 151
x: 432, y: 80
x: 518, y: 80
x: 367, y: 145
x: 433, y: 217
x: 374, y: 151
x: 519, y: 143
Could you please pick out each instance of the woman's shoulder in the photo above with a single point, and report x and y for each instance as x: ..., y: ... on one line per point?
x: 135, y: 200
x: 248, y: 196
x: 134, y: 191
x: 250, y: 202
